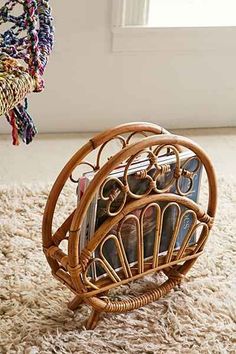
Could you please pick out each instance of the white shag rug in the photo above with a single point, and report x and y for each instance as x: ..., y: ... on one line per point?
x: 197, y: 317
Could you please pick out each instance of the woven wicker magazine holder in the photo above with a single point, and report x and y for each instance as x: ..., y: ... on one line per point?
x: 71, y: 267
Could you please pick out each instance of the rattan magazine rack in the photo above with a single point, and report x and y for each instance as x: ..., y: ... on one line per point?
x: 71, y: 265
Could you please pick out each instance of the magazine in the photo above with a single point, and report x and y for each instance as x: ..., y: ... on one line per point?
x: 97, y: 213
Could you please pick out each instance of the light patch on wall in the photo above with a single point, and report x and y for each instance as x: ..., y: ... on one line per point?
x: 192, y: 13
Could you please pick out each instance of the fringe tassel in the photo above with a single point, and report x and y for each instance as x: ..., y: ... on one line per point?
x: 22, y: 124
x: 14, y: 132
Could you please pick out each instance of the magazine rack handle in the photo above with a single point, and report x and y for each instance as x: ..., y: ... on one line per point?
x: 71, y: 268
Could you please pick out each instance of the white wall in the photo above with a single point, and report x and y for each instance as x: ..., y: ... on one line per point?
x: 89, y: 87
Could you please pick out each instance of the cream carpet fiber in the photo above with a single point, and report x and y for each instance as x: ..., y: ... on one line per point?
x: 198, y: 317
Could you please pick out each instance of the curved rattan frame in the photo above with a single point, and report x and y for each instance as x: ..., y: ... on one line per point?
x: 71, y: 268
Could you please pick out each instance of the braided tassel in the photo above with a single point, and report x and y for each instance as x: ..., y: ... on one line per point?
x: 14, y: 133
x: 22, y: 124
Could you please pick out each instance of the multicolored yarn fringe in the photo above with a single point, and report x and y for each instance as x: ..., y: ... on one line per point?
x: 24, y: 50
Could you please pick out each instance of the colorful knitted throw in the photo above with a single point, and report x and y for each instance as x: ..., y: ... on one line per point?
x: 26, y: 40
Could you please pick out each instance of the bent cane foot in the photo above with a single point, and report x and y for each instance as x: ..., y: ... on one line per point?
x: 93, y: 319
x: 74, y: 303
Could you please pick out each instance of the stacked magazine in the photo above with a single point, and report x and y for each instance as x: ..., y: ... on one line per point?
x: 97, y: 212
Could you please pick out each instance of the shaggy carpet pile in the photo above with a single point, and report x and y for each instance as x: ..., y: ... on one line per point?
x: 197, y: 317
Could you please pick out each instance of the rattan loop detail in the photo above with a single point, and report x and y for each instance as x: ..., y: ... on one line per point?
x: 75, y: 271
